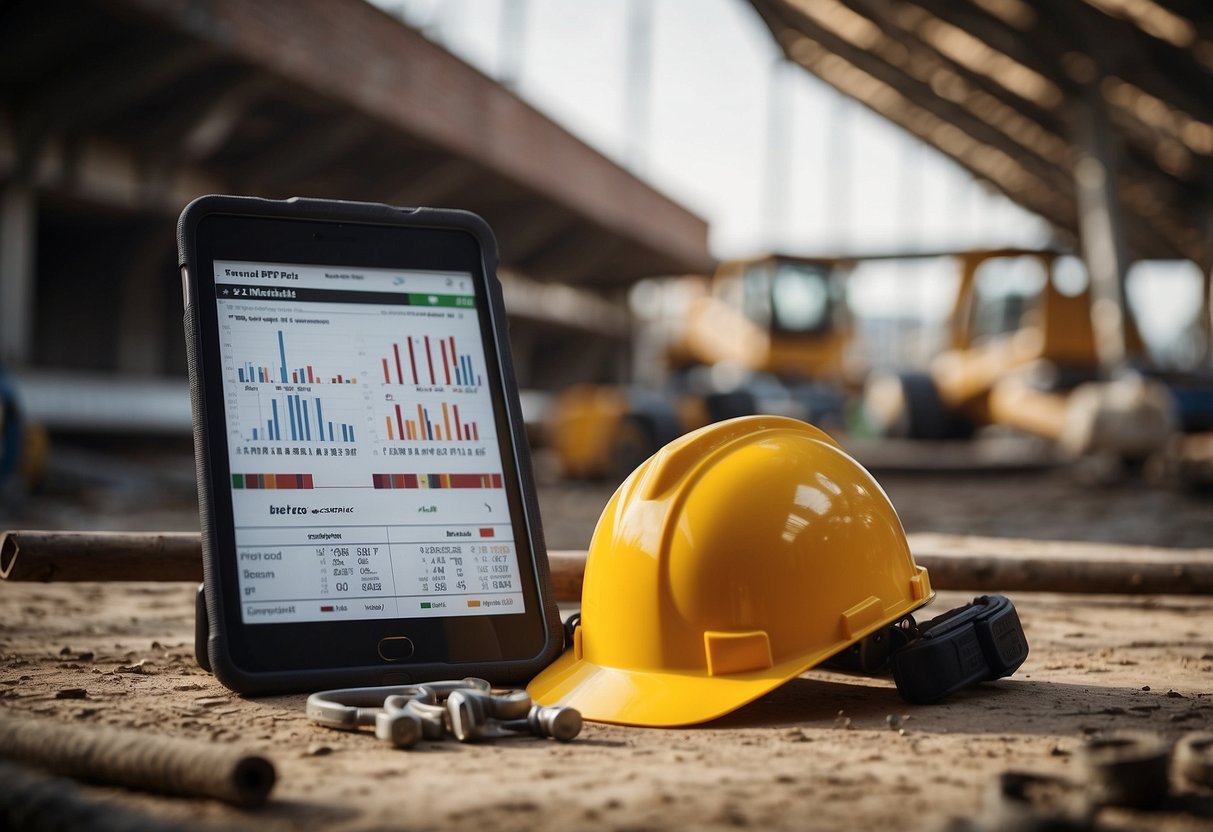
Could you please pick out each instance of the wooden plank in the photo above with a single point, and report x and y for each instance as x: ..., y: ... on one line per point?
x: 954, y: 562
x: 1006, y: 565
x: 100, y: 556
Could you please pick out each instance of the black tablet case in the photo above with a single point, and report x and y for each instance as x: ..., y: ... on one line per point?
x: 215, y: 656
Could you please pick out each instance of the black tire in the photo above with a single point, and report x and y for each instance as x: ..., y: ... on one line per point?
x: 1128, y: 768
x: 633, y: 443
x: 927, y: 417
x: 722, y: 406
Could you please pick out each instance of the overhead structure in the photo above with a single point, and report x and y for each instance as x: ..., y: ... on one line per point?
x: 115, y: 113
x: 329, y: 98
x: 1095, y: 114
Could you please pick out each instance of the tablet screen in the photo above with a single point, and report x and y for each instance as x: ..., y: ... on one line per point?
x: 366, y: 475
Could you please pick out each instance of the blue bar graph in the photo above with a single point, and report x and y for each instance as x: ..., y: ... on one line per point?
x: 282, y: 355
x: 305, y: 422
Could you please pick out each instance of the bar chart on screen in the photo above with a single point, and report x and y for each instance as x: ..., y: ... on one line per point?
x: 431, y: 360
x: 438, y: 421
x: 301, y: 417
x: 268, y: 356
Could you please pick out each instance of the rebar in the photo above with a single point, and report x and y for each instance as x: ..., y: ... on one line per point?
x: 188, y: 768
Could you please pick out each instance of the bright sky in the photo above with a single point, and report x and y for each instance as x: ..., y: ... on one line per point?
x: 850, y: 180
x: 707, y: 136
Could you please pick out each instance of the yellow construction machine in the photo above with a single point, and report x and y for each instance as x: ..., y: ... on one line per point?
x: 23, y: 444
x: 1022, y: 353
x: 762, y: 335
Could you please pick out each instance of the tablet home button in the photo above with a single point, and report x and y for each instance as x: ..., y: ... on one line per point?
x: 395, y: 648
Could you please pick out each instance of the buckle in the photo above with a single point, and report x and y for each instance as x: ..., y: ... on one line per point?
x: 871, y: 654
x: 979, y: 642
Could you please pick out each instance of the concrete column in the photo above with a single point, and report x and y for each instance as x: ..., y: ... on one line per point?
x: 18, y: 230
x: 142, y: 327
x: 1205, y: 321
x: 1102, y: 228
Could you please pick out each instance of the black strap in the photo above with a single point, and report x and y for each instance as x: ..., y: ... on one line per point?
x: 573, y: 622
x: 979, y: 642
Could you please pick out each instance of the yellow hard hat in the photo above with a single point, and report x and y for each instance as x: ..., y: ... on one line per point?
x: 731, y: 561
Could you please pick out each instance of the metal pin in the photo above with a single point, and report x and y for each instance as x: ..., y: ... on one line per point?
x: 431, y: 718
x: 401, y: 728
x: 468, y: 717
x: 559, y: 723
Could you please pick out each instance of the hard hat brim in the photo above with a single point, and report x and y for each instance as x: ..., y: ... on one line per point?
x: 655, y: 698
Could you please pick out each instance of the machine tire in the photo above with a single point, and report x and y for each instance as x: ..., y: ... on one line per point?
x: 908, y: 406
x: 633, y: 443
x: 1194, y: 759
x: 722, y: 406
x: 1128, y: 768
x: 926, y: 415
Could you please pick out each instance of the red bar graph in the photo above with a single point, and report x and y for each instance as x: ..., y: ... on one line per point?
x: 448, y: 367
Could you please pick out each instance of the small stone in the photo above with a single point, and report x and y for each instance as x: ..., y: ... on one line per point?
x: 86, y: 656
x: 1145, y: 687
x: 141, y: 667
x: 66, y: 651
x: 1058, y: 751
x: 1174, y: 694
x: 733, y: 816
x: 317, y: 749
x: 72, y: 693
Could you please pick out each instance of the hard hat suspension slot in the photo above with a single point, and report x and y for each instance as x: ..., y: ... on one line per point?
x: 737, y: 652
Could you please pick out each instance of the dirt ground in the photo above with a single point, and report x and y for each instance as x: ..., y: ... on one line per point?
x: 826, y: 751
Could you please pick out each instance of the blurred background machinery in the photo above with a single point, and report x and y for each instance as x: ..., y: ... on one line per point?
x: 764, y: 335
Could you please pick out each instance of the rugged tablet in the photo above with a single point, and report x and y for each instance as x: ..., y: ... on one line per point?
x: 367, y: 505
